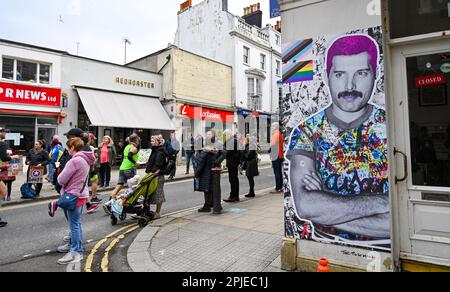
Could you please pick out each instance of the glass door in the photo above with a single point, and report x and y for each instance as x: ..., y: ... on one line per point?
x: 421, y: 88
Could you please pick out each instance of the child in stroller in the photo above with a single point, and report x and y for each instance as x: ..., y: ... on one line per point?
x: 135, y: 201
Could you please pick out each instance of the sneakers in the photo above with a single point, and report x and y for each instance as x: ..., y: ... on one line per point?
x: 250, y: 196
x: 2, y: 223
x: 8, y: 199
x: 67, y: 239
x: 107, y: 210
x: 96, y: 200
x: 63, y: 248
x: 71, y: 258
x: 91, y: 209
x: 52, y: 207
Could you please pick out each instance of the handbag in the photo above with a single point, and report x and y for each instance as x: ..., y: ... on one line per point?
x: 68, y: 201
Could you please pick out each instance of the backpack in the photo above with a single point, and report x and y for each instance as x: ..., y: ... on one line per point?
x: 28, y: 191
x: 63, y: 161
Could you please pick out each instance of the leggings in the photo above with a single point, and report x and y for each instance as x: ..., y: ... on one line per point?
x: 251, y: 182
x: 8, y: 184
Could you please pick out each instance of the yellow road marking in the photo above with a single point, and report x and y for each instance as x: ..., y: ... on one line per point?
x: 90, y: 258
x: 105, y: 260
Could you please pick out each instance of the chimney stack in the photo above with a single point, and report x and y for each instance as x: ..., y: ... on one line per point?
x: 185, y: 6
x: 253, y: 15
x: 278, y: 26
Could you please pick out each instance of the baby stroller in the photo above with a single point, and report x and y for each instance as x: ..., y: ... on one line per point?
x: 138, y: 202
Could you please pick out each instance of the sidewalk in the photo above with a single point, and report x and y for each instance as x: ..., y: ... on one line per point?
x: 48, y: 193
x: 246, y: 238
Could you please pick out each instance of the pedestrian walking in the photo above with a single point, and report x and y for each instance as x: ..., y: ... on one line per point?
x: 129, y: 163
x: 4, y: 157
x: 73, y: 180
x: 158, y: 161
x: 37, y: 156
x: 250, y: 161
x: 277, y: 156
x: 234, y: 157
x: 93, y: 174
x: 210, y: 159
x: 173, y: 148
x: 107, y: 157
x: 189, y: 148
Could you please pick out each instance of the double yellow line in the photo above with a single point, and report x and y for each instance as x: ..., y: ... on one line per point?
x: 105, y: 260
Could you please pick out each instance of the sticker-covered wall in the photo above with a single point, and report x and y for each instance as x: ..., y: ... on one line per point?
x: 337, y: 188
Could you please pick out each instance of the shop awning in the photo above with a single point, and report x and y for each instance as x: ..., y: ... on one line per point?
x: 119, y: 110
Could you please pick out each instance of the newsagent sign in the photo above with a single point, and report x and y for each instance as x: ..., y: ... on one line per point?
x: 30, y: 95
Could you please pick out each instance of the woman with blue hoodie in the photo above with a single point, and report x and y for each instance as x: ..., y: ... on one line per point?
x: 73, y: 180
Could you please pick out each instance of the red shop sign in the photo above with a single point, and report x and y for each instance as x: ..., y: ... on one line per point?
x: 430, y: 80
x: 25, y: 94
x: 200, y: 113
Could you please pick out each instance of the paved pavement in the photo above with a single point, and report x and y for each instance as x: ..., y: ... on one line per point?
x: 246, y: 238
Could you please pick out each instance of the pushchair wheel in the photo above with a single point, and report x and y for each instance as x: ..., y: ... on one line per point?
x: 113, y: 221
x: 143, y: 222
x: 123, y: 217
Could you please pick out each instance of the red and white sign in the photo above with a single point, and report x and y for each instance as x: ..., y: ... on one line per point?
x: 200, y: 113
x: 430, y: 80
x: 31, y: 95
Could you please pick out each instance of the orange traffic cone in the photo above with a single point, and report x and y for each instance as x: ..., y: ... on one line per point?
x: 324, y: 266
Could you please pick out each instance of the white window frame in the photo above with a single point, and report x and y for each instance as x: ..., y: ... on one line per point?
x: 278, y: 68
x: 278, y: 39
x: 263, y: 62
x: 38, y: 72
x: 246, y: 50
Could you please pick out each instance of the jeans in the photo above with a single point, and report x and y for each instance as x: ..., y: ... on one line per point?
x: 189, y: 157
x: 277, y: 170
x: 51, y: 171
x: 105, y: 174
x: 76, y: 231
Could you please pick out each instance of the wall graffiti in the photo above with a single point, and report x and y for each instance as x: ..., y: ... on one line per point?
x: 335, y: 122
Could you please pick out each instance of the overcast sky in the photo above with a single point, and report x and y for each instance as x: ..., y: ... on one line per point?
x: 100, y: 25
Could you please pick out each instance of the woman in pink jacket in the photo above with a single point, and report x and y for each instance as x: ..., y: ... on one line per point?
x: 73, y: 180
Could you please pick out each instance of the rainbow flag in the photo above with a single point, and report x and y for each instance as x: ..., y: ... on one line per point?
x: 297, y: 62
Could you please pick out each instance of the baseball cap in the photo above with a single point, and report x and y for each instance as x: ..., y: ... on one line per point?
x: 76, y: 132
x: 92, y: 136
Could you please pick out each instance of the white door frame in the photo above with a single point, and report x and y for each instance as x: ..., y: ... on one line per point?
x: 398, y: 112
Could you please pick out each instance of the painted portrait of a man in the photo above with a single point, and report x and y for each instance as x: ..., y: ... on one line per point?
x: 338, y: 158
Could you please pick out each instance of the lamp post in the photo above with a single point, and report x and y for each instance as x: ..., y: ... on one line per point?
x: 126, y: 41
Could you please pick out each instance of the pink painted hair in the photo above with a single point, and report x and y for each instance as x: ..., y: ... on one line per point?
x: 353, y: 45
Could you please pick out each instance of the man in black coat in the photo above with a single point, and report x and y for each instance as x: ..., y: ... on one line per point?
x: 234, y: 157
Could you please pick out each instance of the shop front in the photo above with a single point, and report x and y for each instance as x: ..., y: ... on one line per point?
x: 113, y: 100
x: 199, y: 120
x: 256, y: 124
x: 30, y: 112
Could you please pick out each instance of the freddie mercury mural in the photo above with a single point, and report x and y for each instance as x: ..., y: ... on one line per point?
x: 337, y: 189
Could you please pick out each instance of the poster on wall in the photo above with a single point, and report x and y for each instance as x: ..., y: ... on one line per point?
x: 337, y: 188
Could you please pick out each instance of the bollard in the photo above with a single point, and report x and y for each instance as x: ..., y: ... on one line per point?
x: 324, y: 266
x: 216, y: 189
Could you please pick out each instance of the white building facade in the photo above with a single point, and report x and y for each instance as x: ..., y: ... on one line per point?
x: 254, y: 53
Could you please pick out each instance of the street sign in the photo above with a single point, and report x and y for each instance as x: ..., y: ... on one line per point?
x: 274, y: 8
